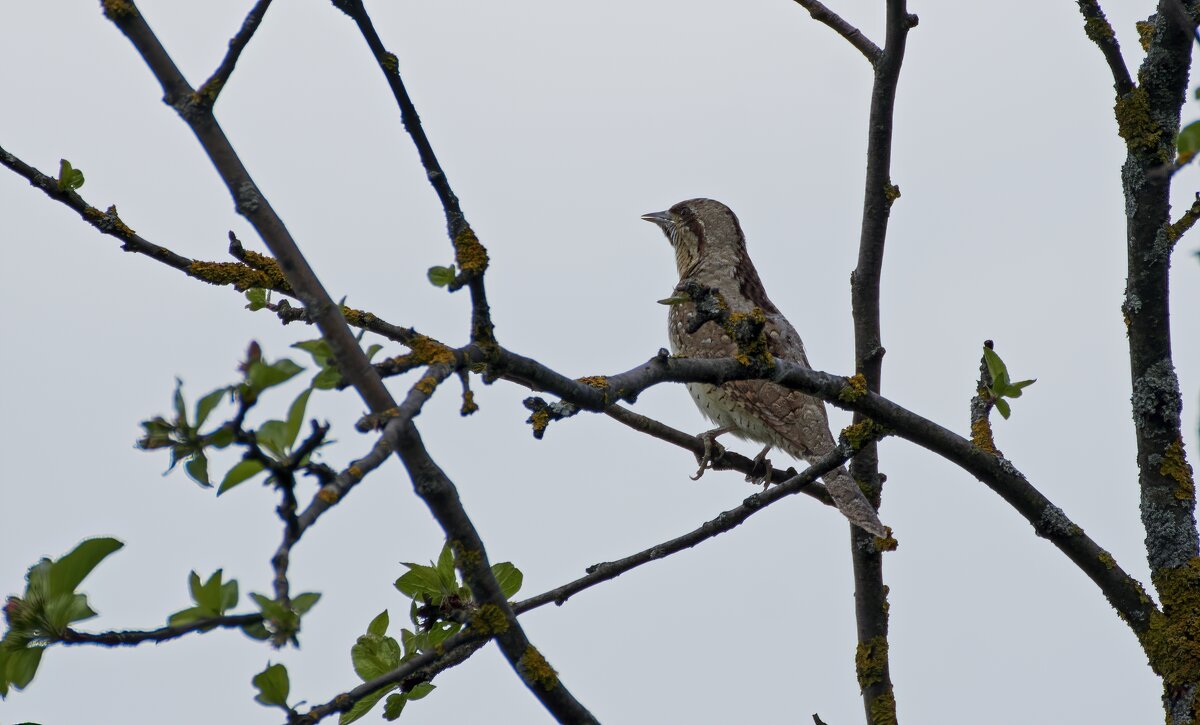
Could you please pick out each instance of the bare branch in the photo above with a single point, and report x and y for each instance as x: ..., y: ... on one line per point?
x: 128, y: 638
x: 853, y: 35
x: 211, y: 88
x: 1101, y: 33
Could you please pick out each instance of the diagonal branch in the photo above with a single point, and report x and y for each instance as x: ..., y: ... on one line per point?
x: 1101, y: 33
x: 128, y: 638
x: 853, y: 35
x: 212, y: 87
x: 429, y: 482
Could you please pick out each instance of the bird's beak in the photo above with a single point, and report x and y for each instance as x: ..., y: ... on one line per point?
x: 661, y: 218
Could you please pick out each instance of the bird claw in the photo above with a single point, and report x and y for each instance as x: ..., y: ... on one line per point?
x: 713, y: 451
x: 760, y: 471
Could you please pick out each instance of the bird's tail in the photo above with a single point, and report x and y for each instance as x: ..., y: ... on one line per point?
x: 852, y: 503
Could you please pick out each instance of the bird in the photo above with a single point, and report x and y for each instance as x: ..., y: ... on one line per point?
x: 710, y: 251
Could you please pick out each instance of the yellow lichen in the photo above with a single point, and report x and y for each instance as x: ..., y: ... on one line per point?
x: 1175, y: 466
x: 469, y: 253
x: 490, y: 620
x: 328, y: 494
x: 754, y: 350
x: 241, y: 276
x: 119, y: 9
x: 358, y: 318
x: 265, y: 264
x: 1145, y: 31
x: 1107, y: 560
x: 430, y: 351
x: 891, y: 192
x: 390, y: 63
x: 1134, y: 123
x: 534, y: 667
x: 427, y: 384
x: 599, y: 382
x: 539, y: 420
x: 1172, y: 640
x: 355, y: 473
x: 883, y: 709
x: 864, y: 432
x: 856, y: 387
x: 1097, y: 29
x: 468, y: 403
x: 870, y: 661
x: 981, y: 436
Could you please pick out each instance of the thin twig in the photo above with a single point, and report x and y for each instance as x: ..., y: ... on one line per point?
x: 1101, y: 33
x: 128, y: 638
x: 211, y: 88
x: 822, y: 14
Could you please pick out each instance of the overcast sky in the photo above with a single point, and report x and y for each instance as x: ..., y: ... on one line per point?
x: 559, y: 124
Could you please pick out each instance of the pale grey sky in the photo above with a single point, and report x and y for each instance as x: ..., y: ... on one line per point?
x: 559, y: 124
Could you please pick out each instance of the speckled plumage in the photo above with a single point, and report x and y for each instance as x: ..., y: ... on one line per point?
x: 710, y: 249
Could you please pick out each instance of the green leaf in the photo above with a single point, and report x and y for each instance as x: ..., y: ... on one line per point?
x: 68, y: 571
x: 273, y: 435
x: 261, y: 375
x: 421, y: 690
x: 374, y: 656
x: 243, y: 471
x: 257, y: 296
x: 379, y: 624
x: 229, y: 596
x: 209, y: 595
x: 257, y: 630
x: 197, y: 468
x: 327, y: 379
x: 180, y: 408
x: 1188, y: 141
x: 394, y: 706
x: 60, y: 610
x: 69, y: 178
x: 445, y: 567
x: 221, y: 438
x: 419, y: 580
x: 301, y: 603
x: 509, y: 577
x: 273, y: 686
x: 205, y: 405
x: 187, y: 616
x: 22, y: 666
x: 372, y: 351
x: 363, y: 706
x: 1003, y: 408
x: 441, y: 276
x: 295, y: 416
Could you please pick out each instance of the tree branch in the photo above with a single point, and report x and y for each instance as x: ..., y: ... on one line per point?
x: 430, y: 483
x: 211, y: 88
x: 129, y: 638
x: 853, y: 35
x: 1101, y: 33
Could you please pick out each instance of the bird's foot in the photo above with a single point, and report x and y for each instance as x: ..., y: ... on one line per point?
x: 760, y: 472
x: 712, y: 450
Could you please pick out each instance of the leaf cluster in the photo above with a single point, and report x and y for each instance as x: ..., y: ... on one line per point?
x: 1001, y: 386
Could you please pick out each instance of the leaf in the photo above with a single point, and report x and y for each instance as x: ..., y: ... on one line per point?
x: 221, y: 438
x: 508, y: 577
x: 69, y: 570
x: 419, y: 580
x: 261, y: 375
x: 205, y: 405
x: 394, y: 706
x: 256, y: 630
x: 295, y: 416
x: 22, y: 666
x: 243, y: 471
x: 272, y: 435
x: 180, y: 408
x: 1188, y: 141
x: 197, y: 468
x: 257, y: 296
x: 445, y: 567
x: 327, y: 379
x: 441, y: 276
x: 379, y: 624
x: 209, y: 594
x: 187, y: 616
x: 374, y: 656
x: 273, y: 686
x: 1003, y: 408
x: 363, y: 706
x: 301, y: 603
x: 69, y: 178
x: 421, y: 690
x: 373, y: 350
x: 229, y: 596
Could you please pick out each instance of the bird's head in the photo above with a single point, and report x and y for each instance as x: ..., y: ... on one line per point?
x: 700, y: 230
